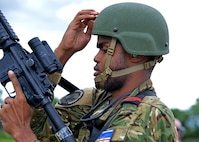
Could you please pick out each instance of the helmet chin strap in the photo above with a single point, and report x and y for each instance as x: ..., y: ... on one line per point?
x: 101, y: 78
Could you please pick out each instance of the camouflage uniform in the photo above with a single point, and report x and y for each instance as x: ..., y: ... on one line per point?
x: 150, y: 121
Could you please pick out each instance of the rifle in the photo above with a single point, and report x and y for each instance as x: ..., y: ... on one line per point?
x: 32, y: 71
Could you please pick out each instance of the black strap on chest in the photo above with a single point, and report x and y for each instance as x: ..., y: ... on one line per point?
x: 134, y: 100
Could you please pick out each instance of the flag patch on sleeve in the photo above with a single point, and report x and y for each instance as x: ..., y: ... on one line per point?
x: 105, y: 136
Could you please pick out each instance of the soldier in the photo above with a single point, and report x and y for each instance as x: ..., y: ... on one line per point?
x: 180, y: 129
x: 132, y: 38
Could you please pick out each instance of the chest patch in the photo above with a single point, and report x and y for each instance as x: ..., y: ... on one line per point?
x: 105, y: 136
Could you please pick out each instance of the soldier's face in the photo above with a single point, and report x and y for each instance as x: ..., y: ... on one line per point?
x: 118, y: 62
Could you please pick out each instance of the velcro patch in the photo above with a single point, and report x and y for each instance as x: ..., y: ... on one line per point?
x: 71, y: 98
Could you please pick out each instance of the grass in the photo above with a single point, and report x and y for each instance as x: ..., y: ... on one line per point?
x: 4, y: 137
x: 190, y: 140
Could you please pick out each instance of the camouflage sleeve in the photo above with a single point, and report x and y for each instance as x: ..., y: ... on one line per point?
x: 39, y: 123
x: 77, y: 107
x: 55, y: 77
x: 41, y: 127
x: 148, y: 122
x: 70, y: 114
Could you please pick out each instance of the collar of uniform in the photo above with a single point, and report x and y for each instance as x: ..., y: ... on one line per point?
x: 145, y: 85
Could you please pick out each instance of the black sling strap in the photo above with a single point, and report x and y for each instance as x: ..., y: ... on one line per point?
x: 134, y: 100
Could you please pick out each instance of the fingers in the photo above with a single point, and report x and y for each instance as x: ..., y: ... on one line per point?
x: 1, y: 106
x: 90, y: 27
x: 86, y: 15
x: 0, y: 112
x: 16, y: 84
x: 6, y: 100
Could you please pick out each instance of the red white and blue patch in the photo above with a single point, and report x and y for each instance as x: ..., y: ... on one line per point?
x: 105, y: 136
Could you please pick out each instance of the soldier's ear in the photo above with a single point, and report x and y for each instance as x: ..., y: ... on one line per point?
x: 137, y: 58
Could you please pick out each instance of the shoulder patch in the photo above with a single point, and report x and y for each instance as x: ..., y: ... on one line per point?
x: 138, y: 98
x: 132, y: 100
x: 71, y: 98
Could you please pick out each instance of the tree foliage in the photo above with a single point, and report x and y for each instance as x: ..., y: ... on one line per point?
x: 190, y: 120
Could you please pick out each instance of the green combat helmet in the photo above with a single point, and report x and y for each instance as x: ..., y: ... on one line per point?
x: 141, y: 30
